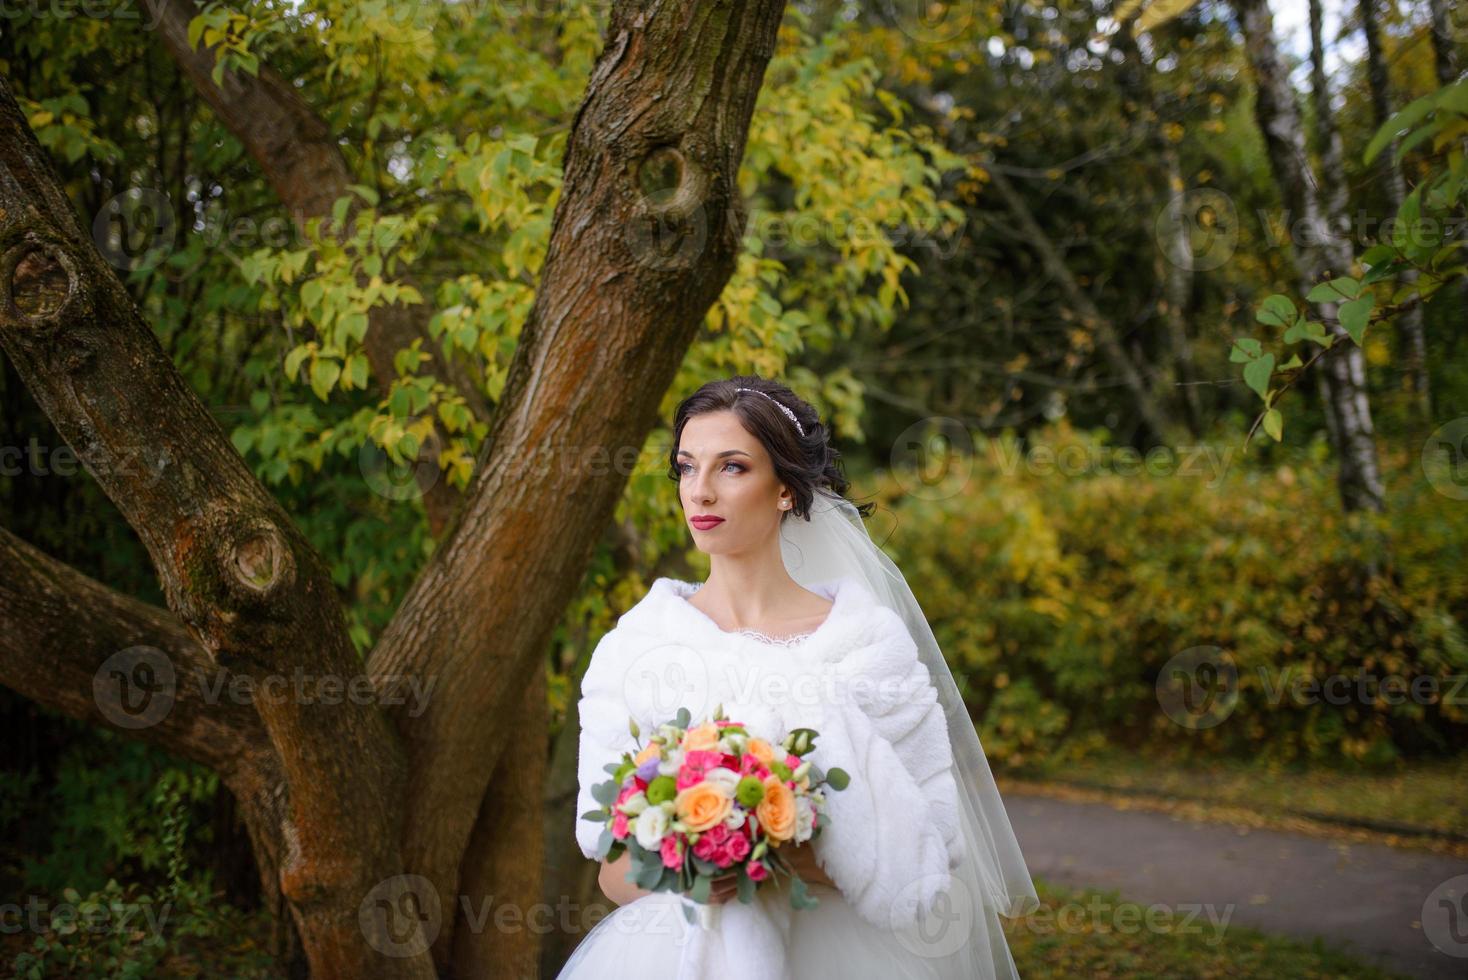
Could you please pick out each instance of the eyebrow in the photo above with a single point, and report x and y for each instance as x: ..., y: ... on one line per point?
x: 727, y: 452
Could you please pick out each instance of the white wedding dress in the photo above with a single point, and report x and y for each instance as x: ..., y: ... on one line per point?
x: 892, y: 840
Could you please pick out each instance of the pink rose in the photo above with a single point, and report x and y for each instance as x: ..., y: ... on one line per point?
x: 755, y: 870
x: 619, y: 825
x: 737, y: 847
x: 672, y: 852
x: 711, y: 842
x: 696, y: 765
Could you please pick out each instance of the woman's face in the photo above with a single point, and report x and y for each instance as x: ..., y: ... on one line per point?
x: 726, y: 473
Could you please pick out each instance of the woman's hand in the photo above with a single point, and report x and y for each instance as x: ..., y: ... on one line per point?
x: 723, y: 888
x: 802, y: 860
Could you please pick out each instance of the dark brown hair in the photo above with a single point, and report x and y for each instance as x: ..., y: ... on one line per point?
x: 802, y: 463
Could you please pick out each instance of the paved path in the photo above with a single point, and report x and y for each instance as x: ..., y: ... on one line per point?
x: 1367, y: 899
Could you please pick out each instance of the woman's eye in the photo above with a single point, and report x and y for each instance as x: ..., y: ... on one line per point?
x: 685, y: 467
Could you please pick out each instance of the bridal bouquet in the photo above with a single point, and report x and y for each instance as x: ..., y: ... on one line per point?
x: 703, y: 801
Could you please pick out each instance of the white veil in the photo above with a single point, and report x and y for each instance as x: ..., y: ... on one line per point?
x: 992, y: 878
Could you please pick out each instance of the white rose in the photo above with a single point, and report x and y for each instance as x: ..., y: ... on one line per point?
x: 805, y: 815
x: 671, y: 765
x: 735, y: 819
x: 634, y: 804
x: 652, y: 825
x: 723, y: 779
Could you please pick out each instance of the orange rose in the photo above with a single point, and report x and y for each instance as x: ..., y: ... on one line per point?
x: 776, y: 812
x: 703, y: 805
x: 704, y: 738
x: 761, y: 750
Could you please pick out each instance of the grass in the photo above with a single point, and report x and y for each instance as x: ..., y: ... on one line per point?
x: 1430, y: 797
x: 1094, y: 934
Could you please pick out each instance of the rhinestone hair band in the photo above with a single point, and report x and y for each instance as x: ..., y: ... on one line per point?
x: 798, y: 427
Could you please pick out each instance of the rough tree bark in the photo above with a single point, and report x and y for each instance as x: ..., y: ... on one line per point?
x: 645, y: 235
x: 1410, y: 321
x: 1318, y: 251
x: 233, y: 566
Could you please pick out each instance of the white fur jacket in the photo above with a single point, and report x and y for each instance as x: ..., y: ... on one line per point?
x: 893, y: 836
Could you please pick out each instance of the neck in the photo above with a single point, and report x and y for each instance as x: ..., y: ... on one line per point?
x: 746, y: 590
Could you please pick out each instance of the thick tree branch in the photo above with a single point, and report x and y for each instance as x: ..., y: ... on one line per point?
x: 233, y: 566
x: 71, y: 644
x: 645, y: 236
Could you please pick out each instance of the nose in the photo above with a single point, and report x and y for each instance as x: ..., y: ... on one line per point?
x: 701, y: 492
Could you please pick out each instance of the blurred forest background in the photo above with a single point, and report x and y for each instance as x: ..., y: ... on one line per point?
x: 1037, y: 262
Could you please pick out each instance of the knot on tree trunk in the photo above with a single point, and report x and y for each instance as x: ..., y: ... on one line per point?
x: 258, y: 562
x: 38, y: 280
x: 670, y: 222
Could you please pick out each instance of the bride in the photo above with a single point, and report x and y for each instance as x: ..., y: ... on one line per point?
x: 803, y: 622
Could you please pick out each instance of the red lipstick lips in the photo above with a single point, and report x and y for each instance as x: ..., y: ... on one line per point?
x: 704, y: 521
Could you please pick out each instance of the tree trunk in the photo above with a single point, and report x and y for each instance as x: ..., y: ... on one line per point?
x: 644, y: 237
x: 1444, y: 46
x: 234, y: 568
x: 389, y: 807
x: 1409, y: 322
x: 1174, y: 265
x: 1318, y: 251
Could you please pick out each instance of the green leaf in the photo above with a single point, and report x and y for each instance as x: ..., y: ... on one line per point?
x: 357, y: 370
x: 324, y: 373
x: 837, y: 779
x: 1278, y: 310
x: 354, y: 325
x: 292, y: 361
x: 312, y: 292
x: 1377, y: 254
x: 1355, y: 315
x: 1256, y: 374
x: 368, y: 193
x: 1245, y: 349
x: 1335, y: 290
x: 1274, y: 423
x: 1304, y: 329
x: 1407, y: 117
